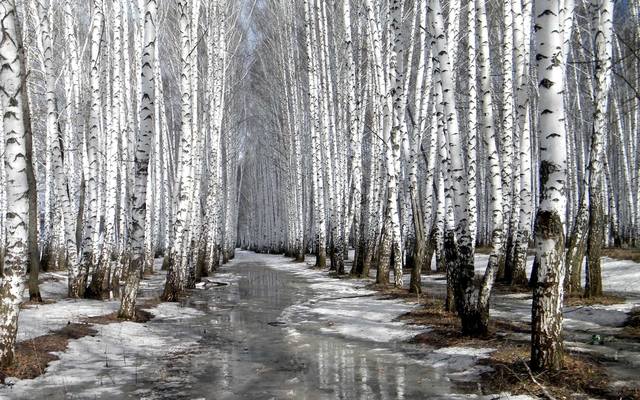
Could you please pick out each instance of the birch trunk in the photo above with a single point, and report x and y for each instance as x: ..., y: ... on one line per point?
x: 603, y: 14
x: 318, y: 184
x: 143, y: 146
x: 546, y: 319
x: 61, y: 185
x: 89, y: 242
x: 176, y: 274
x: 17, y: 191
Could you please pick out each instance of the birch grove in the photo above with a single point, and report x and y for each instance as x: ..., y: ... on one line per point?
x: 378, y: 139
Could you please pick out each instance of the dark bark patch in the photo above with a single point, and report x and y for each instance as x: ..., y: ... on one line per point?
x: 546, y: 169
x: 634, y: 318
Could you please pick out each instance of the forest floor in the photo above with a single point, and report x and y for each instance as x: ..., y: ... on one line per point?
x: 602, y: 336
x: 288, y: 330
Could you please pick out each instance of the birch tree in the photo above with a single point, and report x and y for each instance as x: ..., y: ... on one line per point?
x: 53, y: 127
x: 546, y: 319
x: 17, y: 138
x: 89, y: 240
x: 176, y: 273
x: 143, y: 145
x: 603, y: 14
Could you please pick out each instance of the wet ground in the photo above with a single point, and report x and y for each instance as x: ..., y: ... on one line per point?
x: 261, y: 328
x: 266, y: 328
x: 246, y: 351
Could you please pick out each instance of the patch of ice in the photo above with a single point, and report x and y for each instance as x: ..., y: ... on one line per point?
x: 174, y: 311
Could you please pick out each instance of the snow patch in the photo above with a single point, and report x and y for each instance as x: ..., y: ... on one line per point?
x: 98, y: 367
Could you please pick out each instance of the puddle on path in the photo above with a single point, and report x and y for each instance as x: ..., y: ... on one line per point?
x: 247, y: 352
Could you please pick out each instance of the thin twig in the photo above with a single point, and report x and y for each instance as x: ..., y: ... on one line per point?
x: 544, y: 389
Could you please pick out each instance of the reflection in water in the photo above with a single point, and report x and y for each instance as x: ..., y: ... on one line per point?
x: 364, y: 377
x: 346, y: 372
x: 400, y: 381
x: 241, y: 356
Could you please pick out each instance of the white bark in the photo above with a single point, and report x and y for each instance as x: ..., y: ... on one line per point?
x: 16, y: 249
x: 143, y: 146
x: 89, y: 241
x: 176, y: 274
x: 550, y: 220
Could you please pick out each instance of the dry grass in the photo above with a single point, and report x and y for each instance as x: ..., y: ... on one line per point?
x: 581, y: 377
x: 606, y: 299
x: 112, y: 318
x: 150, y: 302
x: 503, y: 288
x: 31, y: 303
x: 32, y: 356
x: 391, y: 292
x: 622, y: 254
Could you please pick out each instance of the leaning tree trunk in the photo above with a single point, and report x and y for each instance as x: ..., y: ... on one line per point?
x: 576, y: 248
x: 16, y: 136
x: 546, y: 319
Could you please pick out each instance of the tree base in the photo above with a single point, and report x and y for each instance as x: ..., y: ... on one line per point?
x: 35, y: 297
x: 475, y: 324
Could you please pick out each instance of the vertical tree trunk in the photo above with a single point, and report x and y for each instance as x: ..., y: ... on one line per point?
x: 176, y: 272
x: 60, y: 184
x: 143, y: 145
x: 603, y: 13
x: 496, y: 198
x: 546, y: 319
x: 318, y: 184
x: 91, y: 223
x: 521, y: 32
x: 16, y: 136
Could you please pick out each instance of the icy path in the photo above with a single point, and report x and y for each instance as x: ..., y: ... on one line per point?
x: 276, y: 330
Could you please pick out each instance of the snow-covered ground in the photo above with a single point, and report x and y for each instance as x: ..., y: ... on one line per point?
x: 94, y: 366
x: 620, y: 277
x: 101, y: 366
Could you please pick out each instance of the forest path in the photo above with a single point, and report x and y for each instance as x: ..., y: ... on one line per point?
x: 262, y: 327
x: 261, y: 338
